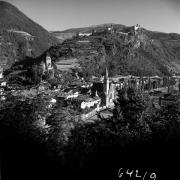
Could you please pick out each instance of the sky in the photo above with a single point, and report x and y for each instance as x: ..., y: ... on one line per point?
x: 156, y: 15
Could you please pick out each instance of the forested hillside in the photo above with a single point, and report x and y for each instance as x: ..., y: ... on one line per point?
x: 125, y: 50
x: 20, y: 36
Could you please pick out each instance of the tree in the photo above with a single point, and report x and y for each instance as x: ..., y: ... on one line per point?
x: 165, y: 123
x: 129, y: 107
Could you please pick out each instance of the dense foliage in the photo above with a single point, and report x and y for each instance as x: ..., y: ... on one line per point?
x: 136, y: 131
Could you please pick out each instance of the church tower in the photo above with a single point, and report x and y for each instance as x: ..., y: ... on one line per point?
x: 48, y: 61
x: 106, y: 88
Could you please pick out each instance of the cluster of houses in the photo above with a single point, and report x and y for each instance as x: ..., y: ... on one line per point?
x: 82, y: 34
x: 110, y: 28
x: 100, y: 93
x: 2, y: 84
x: 146, y: 83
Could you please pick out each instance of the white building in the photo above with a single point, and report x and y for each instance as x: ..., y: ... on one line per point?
x: 109, y: 28
x: 85, y: 34
x: 53, y: 101
x: 3, y: 98
x: 136, y: 27
x: 90, y: 103
x: 48, y: 62
x: 1, y: 72
x: 3, y: 84
x: 1, y: 75
x: 72, y: 94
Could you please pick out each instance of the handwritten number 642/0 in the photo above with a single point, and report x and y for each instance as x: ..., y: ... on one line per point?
x: 135, y: 173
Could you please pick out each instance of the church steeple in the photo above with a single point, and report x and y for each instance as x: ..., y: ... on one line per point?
x: 107, y: 75
x: 106, y: 86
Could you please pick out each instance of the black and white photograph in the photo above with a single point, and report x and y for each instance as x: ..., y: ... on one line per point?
x: 89, y: 89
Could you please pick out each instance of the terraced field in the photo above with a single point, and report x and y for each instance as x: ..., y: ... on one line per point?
x: 67, y: 64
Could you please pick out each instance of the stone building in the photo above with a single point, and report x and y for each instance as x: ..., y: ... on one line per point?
x: 1, y: 73
x: 84, y: 34
x: 46, y: 65
x: 48, y: 62
x: 137, y: 27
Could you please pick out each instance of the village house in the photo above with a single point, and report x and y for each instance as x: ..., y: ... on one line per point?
x: 84, y: 34
x: 48, y: 62
x: 1, y: 73
x: 3, y: 98
x: 3, y: 83
x: 91, y: 102
x: 71, y: 93
x: 85, y: 104
x: 110, y: 29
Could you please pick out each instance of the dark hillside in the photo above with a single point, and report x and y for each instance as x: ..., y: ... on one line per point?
x: 16, y: 29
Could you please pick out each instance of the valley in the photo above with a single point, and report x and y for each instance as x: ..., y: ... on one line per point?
x: 85, y: 101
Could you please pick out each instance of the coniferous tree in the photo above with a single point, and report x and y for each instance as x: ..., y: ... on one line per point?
x: 129, y: 107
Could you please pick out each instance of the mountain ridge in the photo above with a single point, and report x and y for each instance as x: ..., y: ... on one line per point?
x: 107, y: 25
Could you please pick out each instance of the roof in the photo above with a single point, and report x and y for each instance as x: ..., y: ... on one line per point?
x: 68, y: 90
x: 155, y: 77
x: 86, y: 98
